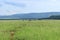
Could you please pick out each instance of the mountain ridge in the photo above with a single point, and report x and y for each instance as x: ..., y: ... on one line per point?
x: 30, y: 15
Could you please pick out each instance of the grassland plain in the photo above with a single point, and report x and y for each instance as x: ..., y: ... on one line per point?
x: 30, y: 30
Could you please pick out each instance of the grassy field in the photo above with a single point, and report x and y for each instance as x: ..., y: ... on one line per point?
x: 30, y: 30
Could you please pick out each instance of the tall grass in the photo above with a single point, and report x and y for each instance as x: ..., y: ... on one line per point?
x: 30, y: 30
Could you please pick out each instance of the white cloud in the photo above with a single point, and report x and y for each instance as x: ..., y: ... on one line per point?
x: 11, y: 6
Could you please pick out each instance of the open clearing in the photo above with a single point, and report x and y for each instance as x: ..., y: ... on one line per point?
x: 30, y: 30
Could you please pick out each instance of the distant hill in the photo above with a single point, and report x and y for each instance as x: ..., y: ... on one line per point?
x: 30, y: 15
x: 55, y: 17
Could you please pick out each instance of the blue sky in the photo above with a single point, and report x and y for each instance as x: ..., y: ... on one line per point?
x: 9, y: 7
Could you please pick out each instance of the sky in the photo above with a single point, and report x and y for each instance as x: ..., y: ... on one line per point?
x: 9, y: 7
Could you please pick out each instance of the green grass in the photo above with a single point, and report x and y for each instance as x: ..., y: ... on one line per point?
x: 30, y: 30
